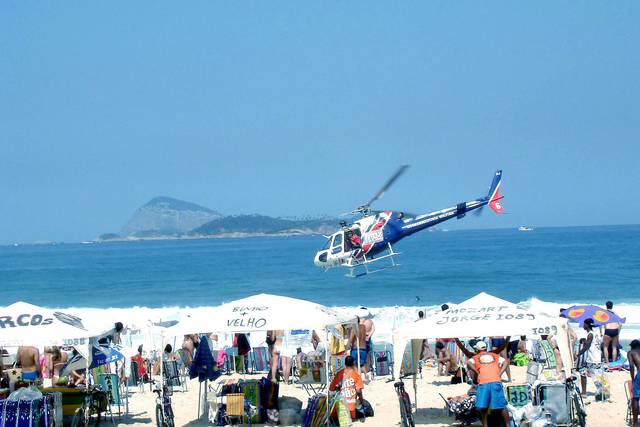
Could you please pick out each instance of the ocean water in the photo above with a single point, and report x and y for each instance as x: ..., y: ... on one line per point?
x: 548, y: 268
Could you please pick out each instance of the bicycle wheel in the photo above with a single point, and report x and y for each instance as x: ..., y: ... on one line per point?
x: 159, y: 416
x: 578, y: 408
x: 168, y: 419
x: 78, y: 419
x: 406, y: 418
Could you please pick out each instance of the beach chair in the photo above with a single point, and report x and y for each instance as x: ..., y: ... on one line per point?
x: 109, y: 384
x: 383, y: 363
x: 408, y: 367
x: 628, y: 392
x: 171, y: 375
x: 312, y: 374
x: 134, y: 377
x: 518, y: 395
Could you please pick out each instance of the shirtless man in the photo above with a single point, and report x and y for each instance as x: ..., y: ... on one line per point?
x: 358, y: 345
x: 28, y: 358
x: 445, y: 360
x: 611, y: 337
x: 370, y: 327
x: 634, y: 370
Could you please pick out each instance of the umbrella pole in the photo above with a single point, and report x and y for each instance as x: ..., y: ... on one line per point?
x: 326, y: 368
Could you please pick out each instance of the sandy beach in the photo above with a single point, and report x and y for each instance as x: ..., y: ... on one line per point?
x: 382, y: 396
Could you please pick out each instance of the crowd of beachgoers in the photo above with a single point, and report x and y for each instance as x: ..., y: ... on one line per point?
x: 285, y: 375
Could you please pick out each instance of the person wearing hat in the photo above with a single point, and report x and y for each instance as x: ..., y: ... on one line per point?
x: 634, y: 369
x: 488, y: 368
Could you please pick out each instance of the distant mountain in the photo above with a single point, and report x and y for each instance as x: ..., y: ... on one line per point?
x: 261, y: 224
x: 166, y: 216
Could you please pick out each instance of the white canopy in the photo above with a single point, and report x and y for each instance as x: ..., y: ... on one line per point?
x: 480, y: 316
x: 256, y: 313
x: 22, y: 323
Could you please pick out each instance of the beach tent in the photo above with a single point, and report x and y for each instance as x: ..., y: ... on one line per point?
x: 481, y: 316
x: 258, y: 313
x: 22, y: 323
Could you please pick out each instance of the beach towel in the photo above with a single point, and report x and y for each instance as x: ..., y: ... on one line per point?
x: 549, y: 355
x: 337, y: 363
x: 203, y: 365
x: 170, y: 373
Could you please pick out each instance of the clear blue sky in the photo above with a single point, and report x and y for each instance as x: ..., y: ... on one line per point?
x: 290, y: 108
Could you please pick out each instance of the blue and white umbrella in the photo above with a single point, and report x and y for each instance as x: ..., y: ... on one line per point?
x: 99, y: 354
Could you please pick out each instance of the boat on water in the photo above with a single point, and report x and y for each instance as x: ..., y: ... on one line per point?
x: 525, y: 228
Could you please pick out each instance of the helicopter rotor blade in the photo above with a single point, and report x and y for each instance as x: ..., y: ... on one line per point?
x: 388, y: 184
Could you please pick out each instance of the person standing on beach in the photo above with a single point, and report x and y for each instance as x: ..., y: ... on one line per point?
x: 28, y: 358
x: 634, y: 369
x: 591, y: 349
x: 611, y: 337
x: 488, y: 368
x: 370, y: 328
x: 358, y: 345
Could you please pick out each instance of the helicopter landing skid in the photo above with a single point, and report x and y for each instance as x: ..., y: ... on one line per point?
x: 361, y: 267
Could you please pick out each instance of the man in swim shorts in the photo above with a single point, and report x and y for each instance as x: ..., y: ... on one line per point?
x: 358, y: 345
x: 29, y: 359
x: 611, y: 338
x: 488, y: 368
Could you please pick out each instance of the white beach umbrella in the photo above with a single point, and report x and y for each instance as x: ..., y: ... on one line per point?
x: 258, y: 313
x: 480, y: 316
x: 22, y: 323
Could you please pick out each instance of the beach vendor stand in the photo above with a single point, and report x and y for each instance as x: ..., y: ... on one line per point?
x: 259, y: 314
x: 28, y: 324
x: 481, y: 316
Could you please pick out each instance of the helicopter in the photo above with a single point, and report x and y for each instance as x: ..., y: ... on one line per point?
x: 370, y: 239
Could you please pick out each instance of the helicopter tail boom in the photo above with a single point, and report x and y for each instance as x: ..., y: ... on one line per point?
x: 494, y: 195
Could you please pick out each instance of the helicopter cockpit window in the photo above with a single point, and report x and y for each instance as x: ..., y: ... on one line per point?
x: 327, y: 244
x: 337, y: 240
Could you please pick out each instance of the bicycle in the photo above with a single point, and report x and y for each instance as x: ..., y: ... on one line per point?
x: 164, y: 411
x: 576, y: 405
x: 406, y: 416
x: 94, y: 403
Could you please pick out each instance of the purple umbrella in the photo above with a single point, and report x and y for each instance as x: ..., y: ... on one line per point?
x: 600, y: 316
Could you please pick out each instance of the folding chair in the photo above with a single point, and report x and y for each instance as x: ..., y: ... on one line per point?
x: 518, y: 395
x: 408, y: 367
x: 134, y: 377
x: 171, y: 375
x: 109, y: 384
x: 383, y: 363
x: 312, y: 375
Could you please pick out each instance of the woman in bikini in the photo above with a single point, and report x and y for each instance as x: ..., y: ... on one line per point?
x: 611, y: 337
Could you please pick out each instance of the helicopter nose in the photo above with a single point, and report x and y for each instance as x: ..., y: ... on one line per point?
x: 320, y: 259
